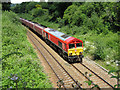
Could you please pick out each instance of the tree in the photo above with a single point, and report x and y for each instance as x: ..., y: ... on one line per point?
x: 30, y: 6
x: 6, y: 6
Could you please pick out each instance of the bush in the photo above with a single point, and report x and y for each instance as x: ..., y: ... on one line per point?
x: 106, y: 46
x: 20, y: 65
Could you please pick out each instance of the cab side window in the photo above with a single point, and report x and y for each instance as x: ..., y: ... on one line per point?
x: 65, y: 46
x: 59, y: 44
x: 47, y: 35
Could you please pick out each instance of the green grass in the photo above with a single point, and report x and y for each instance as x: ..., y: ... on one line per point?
x: 18, y: 57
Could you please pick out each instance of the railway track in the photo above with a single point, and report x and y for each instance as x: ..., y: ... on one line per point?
x: 100, y: 66
x: 98, y: 76
x: 95, y: 78
x: 100, y: 71
x: 64, y: 78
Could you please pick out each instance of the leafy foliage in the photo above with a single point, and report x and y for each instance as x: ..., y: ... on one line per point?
x: 37, y: 12
x: 6, y: 6
x: 117, y: 77
x: 20, y: 65
x: 30, y: 6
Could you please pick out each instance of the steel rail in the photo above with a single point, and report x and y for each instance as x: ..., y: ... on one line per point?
x: 46, y: 60
x: 101, y: 67
x: 59, y: 64
x: 83, y: 74
x: 97, y: 75
x: 80, y: 72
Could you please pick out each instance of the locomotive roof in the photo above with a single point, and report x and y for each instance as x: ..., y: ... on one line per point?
x: 58, y: 34
x: 72, y: 40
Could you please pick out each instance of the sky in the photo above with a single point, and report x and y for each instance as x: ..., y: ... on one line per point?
x: 20, y: 1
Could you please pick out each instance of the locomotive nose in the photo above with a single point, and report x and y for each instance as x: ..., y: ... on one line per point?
x: 75, y: 51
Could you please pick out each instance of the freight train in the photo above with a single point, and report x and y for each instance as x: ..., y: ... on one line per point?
x: 68, y: 47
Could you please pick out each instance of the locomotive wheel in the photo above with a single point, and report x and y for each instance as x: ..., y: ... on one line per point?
x: 47, y: 41
x: 65, y: 56
x: 80, y: 60
x: 60, y: 53
x: 70, y: 60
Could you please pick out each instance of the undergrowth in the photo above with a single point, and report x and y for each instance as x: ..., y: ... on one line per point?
x: 20, y: 65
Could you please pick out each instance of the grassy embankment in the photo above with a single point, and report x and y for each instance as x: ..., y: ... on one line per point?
x: 20, y: 65
x: 100, y: 47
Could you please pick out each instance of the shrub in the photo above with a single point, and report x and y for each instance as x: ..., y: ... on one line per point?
x: 20, y: 65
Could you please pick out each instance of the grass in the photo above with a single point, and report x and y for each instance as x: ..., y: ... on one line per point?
x: 20, y: 65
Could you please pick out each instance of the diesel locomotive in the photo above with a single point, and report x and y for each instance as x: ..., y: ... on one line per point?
x: 68, y: 47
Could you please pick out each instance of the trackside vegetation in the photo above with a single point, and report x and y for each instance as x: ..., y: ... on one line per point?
x: 20, y: 65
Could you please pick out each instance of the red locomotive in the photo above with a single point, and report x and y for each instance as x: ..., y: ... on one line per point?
x: 68, y: 47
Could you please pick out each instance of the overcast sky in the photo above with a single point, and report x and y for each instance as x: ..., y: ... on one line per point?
x: 20, y: 1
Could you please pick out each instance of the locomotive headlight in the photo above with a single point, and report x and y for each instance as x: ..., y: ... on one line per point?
x: 81, y: 53
x: 70, y: 54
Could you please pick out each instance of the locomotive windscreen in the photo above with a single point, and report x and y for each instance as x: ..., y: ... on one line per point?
x: 79, y: 44
x: 65, y: 36
x: 71, y: 46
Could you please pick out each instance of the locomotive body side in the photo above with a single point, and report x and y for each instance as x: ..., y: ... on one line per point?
x: 55, y: 37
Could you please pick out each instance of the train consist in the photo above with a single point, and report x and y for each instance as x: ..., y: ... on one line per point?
x: 68, y: 47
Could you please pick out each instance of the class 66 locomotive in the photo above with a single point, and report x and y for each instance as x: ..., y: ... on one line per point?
x: 68, y: 47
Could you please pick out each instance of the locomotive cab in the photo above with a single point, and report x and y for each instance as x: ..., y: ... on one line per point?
x: 75, y: 51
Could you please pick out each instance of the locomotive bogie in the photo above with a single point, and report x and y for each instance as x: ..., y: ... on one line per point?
x: 75, y: 58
